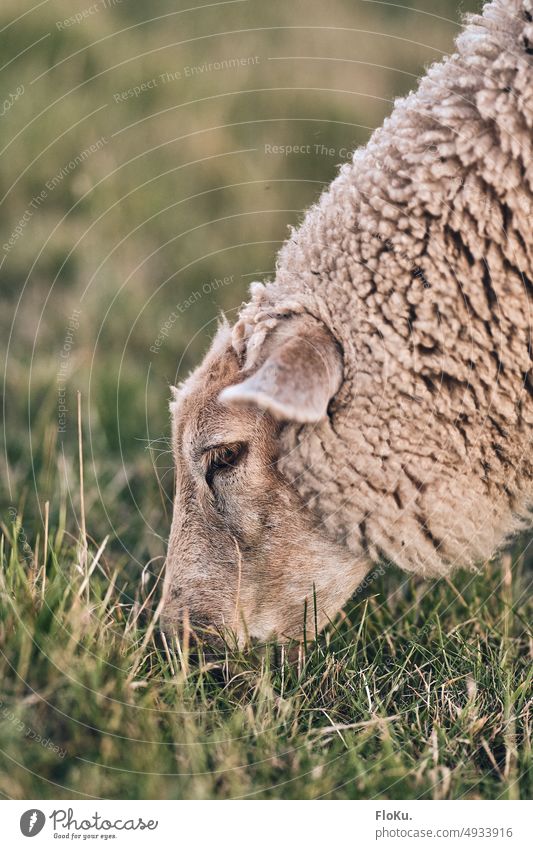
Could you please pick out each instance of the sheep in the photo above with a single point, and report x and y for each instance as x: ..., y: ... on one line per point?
x: 374, y: 400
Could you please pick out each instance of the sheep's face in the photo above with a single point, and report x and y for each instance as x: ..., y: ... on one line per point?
x: 244, y: 553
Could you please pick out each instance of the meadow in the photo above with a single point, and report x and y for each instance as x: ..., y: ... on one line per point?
x: 153, y: 160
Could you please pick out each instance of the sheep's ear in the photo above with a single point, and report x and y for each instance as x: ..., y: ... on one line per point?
x: 298, y: 377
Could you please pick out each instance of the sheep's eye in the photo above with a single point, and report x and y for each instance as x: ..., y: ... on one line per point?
x: 223, y: 457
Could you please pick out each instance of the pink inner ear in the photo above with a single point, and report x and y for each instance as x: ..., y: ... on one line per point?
x: 242, y: 395
x: 297, y: 380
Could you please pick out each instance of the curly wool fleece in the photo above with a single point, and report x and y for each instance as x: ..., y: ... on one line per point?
x: 418, y: 259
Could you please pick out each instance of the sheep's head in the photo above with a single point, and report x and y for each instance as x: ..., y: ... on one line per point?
x: 245, y: 553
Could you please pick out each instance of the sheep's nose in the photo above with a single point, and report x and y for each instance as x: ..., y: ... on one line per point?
x: 191, y: 627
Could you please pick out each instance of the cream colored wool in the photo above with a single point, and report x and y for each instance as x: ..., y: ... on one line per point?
x: 418, y: 258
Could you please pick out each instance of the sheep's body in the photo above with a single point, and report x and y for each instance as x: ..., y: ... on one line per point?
x: 418, y: 259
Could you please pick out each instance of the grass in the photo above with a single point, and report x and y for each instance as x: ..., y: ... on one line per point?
x: 420, y: 690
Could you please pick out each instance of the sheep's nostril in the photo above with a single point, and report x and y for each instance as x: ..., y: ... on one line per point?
x: 191, y: 629
x: 199, y: 630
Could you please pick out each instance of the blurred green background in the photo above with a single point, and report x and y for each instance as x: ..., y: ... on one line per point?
x: 145, y: 182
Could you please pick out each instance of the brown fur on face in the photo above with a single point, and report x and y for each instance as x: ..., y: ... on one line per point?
x: 245, y: 553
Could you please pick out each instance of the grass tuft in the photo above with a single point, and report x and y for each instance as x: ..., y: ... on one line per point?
x: 420, y: 690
